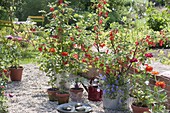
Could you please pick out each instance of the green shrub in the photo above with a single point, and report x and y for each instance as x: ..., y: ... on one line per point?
x: 157, y: 20
x: 3, y: 99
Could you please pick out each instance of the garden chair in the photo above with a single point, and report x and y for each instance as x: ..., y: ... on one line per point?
x: 6, y: 23
x: 38, y: 19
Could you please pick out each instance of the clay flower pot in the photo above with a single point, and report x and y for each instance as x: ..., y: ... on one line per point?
x: 16, y: 73
x: 62, y: 98
x: 52, y: 94
x: 138, y: 109
x: 76, y: 94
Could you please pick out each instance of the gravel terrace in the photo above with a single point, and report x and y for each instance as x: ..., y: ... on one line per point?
x: 30, y: 96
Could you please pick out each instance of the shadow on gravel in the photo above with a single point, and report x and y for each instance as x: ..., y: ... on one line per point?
x: 47, y: 107
x: 13, y: 85
x: 39, y: 95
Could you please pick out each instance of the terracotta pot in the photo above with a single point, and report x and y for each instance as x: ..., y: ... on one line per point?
x: 52, y: 94
x: 137, y: 109
x: 16, y: 73
x: 76, y: 94
x: 62, y: 98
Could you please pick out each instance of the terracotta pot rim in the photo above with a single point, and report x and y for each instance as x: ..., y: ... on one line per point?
x: 52, y: 89
x: 20, y: 67
x: 77, y: 89
x: 139, y: 109
x: 133, y: 104
x: 62, y: 95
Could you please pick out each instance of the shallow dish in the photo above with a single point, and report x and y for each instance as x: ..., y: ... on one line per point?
x: 62, y: 108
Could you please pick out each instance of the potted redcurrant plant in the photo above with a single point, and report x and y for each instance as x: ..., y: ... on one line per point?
x: 115, y: 55
x: 59, y: 54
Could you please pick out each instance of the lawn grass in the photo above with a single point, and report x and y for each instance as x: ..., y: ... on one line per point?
x: 29, y: 55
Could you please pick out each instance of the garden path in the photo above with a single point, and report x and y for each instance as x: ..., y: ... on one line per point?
x: 29, y: 95
x: 157, y: 66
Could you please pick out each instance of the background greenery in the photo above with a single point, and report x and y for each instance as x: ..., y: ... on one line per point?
x: 24, y: 8
x: 122, y: 11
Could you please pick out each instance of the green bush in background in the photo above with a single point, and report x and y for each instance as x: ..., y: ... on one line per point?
x: 24, y: 8
x: 157, y: 19
x: 5, y: 10
x: 27, y: 8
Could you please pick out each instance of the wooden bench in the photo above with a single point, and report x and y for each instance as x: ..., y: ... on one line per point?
x: 5, y: 23
x: 38, y: 19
